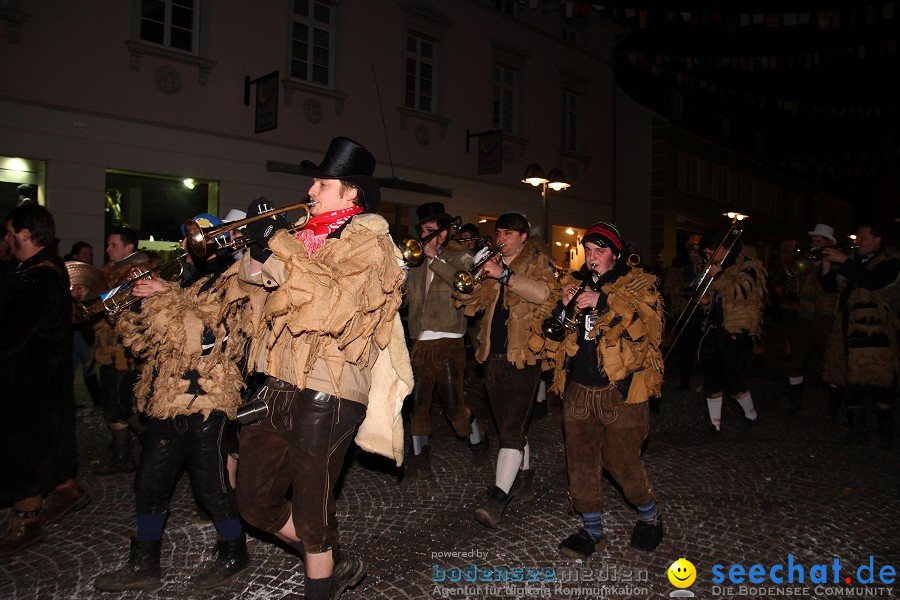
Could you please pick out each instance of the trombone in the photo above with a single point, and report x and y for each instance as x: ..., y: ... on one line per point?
x: 413, y: 249
x: 701, y: 284
x: 118, y: 299
x: 464, y: 281
x: 199, y: 238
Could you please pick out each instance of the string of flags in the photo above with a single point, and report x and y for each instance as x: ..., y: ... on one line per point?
x: 822, y: 19
x: 655, y: 63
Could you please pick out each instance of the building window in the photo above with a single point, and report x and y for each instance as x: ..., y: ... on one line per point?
x: 507, y: 7
x: 724, y: 127
x: 571, y: 121
x: 677, y: 105
x: 421, y: 56
x: 573, y: 35
x: 312, y: 42
x: 170, y: 23
x: 506, y: 98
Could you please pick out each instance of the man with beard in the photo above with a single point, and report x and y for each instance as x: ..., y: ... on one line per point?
x: 37, y: 431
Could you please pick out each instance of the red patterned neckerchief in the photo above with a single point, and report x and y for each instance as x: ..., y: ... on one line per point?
x: 317, y: 228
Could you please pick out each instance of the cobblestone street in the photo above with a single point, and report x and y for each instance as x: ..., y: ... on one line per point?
x: 789, y: 487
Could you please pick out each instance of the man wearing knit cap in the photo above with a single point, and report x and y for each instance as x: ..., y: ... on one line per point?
x: 815, y: 318
x: 734, y: 318
x: 614, y: 366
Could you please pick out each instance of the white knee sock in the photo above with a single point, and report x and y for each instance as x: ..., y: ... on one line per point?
x: 508, y: 462
x: 526, y: 457
x: 419, y: 442
x: 714, y: 405
x: 746, y: 403
x: 541, y: 392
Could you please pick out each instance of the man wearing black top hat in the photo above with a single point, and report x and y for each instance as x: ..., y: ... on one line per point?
x: 439, y: 353
x: 331, y: 344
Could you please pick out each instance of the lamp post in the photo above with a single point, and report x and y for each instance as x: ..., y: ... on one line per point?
x: 555, y: 180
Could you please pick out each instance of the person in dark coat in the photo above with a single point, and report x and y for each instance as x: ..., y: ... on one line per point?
x: 37, y: 431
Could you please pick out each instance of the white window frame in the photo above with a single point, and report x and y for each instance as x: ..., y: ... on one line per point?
x: 571, y: 120
x: 168, y: 26
x: 312, y: 25
x: 419, y: 60
x: 505, y: 93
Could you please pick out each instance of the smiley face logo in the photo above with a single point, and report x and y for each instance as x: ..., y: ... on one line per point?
x: 682, y: 573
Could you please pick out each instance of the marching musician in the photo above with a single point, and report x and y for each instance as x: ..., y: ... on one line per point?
x: 331, y: 343
x: 189, y: 388
x: 815, y: 318
x: 118, y: 369
x: 863, y: 350
x: 438, y: 354
x: 734, y: 318
x: 511, y: 298
x: 614, y: 366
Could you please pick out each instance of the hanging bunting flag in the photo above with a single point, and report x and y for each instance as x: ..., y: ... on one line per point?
x: 888, y: 11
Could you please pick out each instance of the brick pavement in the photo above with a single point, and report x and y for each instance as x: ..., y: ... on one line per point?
x: 788, y: 488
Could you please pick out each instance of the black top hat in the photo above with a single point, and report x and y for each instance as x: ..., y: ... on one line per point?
x: 349, y: 162
x: 432, y: 211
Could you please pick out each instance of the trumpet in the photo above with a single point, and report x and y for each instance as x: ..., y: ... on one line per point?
x: 413, y: 249
x: 464, y: 281
x: 562, y: 321
x: 118, y: 299
x: 803, y: 260
x: 198, y: 238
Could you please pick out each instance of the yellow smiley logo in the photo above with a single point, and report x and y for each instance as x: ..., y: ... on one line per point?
x: 682, y: 573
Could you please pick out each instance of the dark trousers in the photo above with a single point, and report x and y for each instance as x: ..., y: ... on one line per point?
x: 300, y: 445
x: 602, y: 432
x: 117, y: 393
x: 185, y: 440
x: 809, y: 345
x: 511, y: 394
x: 439, y: 364
x: 723, y: 357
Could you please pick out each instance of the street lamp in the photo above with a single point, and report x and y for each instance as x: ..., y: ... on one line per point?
x: 555, y: 180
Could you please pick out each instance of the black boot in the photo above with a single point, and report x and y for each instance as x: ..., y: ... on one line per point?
x: 418, y: 467
x: 92, y: 383
x: 856, y: 422
x: 141, y: 572
x: 795, y: 399
x: 231, y: 561
x: 835, y: 398
x: 647, y: 535
x: 481, y: 454
x: 491, y: 512
x: 523, y: 488
x: 348, y: 572
x: 121, y: 460
x: 885, y: 426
